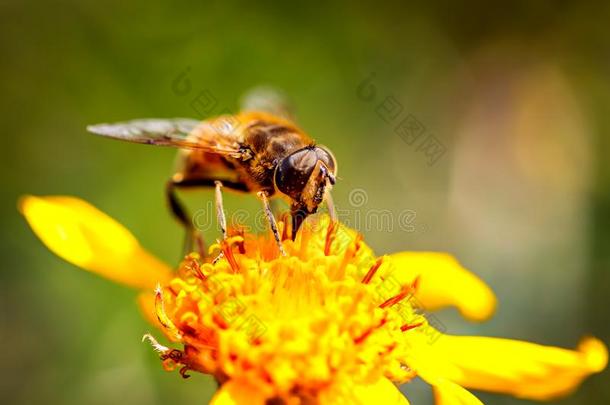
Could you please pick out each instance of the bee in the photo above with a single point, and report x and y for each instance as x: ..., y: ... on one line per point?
x: 252, y: 151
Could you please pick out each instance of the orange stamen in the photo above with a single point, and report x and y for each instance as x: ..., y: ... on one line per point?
x: 241, y: 244
x: 369, y: 275
x: 366, y: 334
x: 287, y: 226
x: 330, y: 236
x: 220, y: 321
x: 415, y: 283
x: 363, y: 337
x: 406, y: 290
x: 407, y: 327
x: 192, y: 265
x: 347, y: 257
x: 228, y: 252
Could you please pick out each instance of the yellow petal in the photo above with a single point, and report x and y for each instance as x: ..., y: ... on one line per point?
x: 523, y: 369
x: 238, y: 393
x: 444, y: 282
x: 382, y: 391
x: 432, y: 366
x: 86, y: 237
x: 449, y: 393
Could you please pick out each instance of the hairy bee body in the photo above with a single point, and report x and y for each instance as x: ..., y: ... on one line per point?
x: 263, y: 140
x: 251, y: 151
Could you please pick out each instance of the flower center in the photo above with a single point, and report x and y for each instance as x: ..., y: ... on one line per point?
x: 293, y: 325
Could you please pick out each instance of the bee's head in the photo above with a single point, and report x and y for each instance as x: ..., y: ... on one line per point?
x: 303, y: 176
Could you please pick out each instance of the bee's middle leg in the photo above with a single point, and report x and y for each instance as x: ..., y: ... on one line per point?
x: 220, y: 212
x: 193, y: 235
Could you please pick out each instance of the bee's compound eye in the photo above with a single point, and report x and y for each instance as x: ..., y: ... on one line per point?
x: 293, y: 172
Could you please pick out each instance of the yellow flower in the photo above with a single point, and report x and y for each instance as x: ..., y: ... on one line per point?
x: 328, y: 323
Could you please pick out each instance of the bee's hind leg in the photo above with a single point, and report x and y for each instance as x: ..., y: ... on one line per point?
x: 192, y: 236
x: 272, y: 223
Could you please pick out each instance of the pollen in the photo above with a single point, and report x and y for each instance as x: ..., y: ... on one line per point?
x: 291, y: 325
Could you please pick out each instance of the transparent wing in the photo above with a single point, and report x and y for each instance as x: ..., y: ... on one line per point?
x: 268, y: 99
x: 177, y: 132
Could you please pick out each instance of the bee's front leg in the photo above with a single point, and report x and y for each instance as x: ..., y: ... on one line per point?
x: 272, y: 224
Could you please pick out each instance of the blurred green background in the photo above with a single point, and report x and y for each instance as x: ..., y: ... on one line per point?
x: 516, y: 95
